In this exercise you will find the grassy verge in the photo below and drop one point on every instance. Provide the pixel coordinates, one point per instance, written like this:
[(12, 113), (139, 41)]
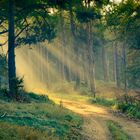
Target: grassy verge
[(103, 102), (117, 132), (131, 109), (40, 119)]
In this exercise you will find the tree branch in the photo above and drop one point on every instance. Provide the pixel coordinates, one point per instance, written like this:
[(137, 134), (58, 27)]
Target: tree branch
[(3, 43), (21, 31), (3, 32)]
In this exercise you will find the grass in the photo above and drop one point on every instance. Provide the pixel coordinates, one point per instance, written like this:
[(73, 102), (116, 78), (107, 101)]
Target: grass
[(130, 109), (117, 132), (65, 91), (15, 132), (39, 119), (103, 101)]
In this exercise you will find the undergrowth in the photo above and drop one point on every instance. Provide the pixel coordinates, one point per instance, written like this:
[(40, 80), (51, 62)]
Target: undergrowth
[(116, 131), (104, 102), (130, 107), (38, 119), (25, 97)]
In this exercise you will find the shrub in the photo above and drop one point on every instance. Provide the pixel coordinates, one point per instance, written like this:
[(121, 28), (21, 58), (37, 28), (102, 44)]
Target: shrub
[(4, 94), (132, 110), (37, 98), (129, 105)]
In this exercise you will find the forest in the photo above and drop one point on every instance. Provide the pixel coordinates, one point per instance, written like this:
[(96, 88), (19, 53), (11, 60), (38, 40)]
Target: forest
[(69, 69)]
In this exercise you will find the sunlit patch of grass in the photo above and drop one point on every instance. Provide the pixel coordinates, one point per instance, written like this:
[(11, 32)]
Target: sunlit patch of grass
[(66, 91), (75, 96), (117, 131), (41, 117)]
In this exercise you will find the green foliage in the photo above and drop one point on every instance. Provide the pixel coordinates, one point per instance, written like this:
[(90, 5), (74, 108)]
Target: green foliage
[(124, 19), (4, 94), (41, 29), (19, 84), (117, 132), (33, 21), (104, 102), (18, 88), (3, 64), (37, 98), (132, 109), (25, 97), (133, 69), (87, 14), (3, 71)]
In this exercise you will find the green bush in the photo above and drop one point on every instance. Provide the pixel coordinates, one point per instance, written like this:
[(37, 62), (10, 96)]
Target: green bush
[(4, 94), (131, 109)]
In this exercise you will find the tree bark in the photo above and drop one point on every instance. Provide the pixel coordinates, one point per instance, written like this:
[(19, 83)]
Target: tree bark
[(11, 51), (77, 72), (76, 49), (124, 68), (91, 59), (63, 45), (116, 60), (105, 65)]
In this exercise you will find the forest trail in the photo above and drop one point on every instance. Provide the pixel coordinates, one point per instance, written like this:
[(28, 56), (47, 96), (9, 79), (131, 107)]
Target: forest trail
[(95, 121)]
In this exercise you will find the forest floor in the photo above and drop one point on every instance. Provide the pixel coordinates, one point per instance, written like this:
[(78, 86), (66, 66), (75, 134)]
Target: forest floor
[(96, 118)]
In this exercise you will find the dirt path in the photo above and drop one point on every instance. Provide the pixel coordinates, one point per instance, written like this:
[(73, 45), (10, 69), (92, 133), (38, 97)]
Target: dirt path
[(95, 118)]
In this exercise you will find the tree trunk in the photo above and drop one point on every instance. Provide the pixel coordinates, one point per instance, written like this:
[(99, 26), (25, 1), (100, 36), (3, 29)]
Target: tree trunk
[(91, 60), (77, 70), (105, 64), (116, 60), (75, 46), (47, 71), (0, 82), (63, 44), (72, 27), (11, 51), (124, 68), (114, 64)]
